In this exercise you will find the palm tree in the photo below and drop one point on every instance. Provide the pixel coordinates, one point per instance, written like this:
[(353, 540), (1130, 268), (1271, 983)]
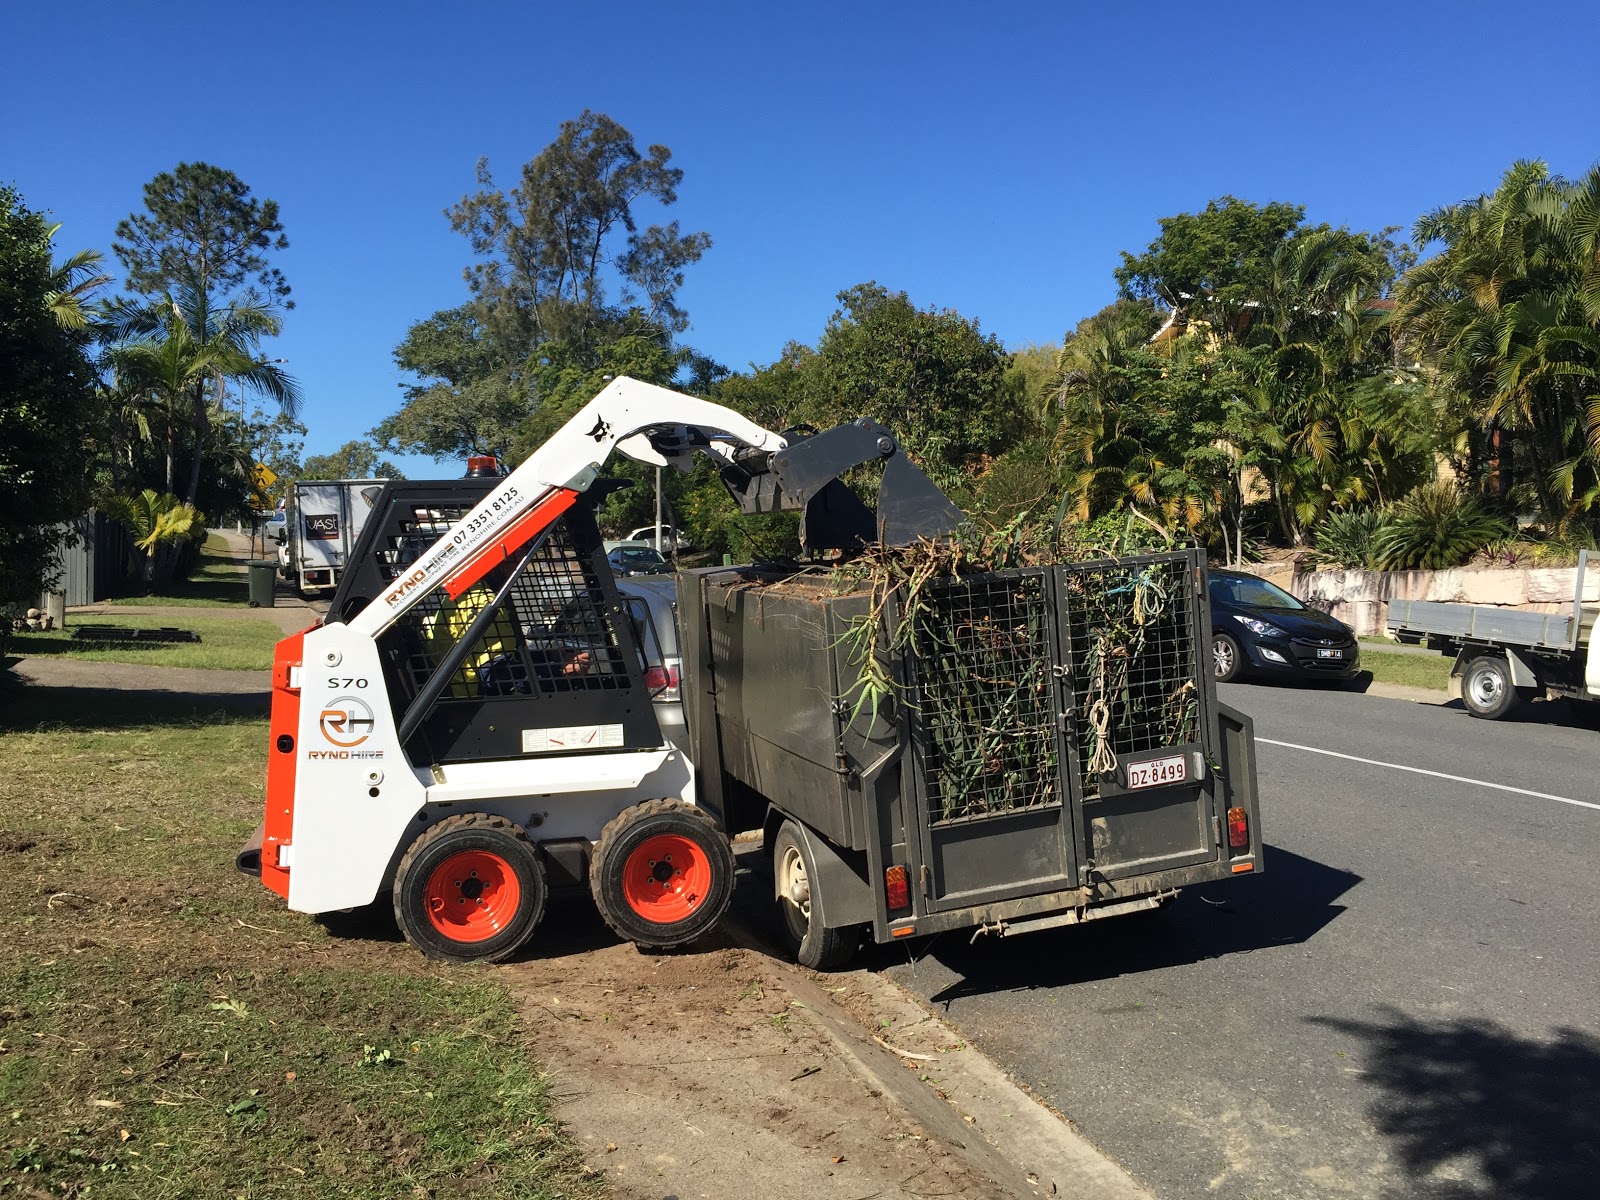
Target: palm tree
[(159, 524), (72, 282), (1508, 313), (185, 356)]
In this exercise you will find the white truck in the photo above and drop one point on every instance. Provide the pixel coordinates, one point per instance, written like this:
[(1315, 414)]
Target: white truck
[(1504, 656), (324, 520)]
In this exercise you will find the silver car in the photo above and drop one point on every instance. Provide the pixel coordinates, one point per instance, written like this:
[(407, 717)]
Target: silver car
[(653, 608)]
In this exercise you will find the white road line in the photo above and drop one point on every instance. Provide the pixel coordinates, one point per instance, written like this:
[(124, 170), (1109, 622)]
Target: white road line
[(1373, 762)]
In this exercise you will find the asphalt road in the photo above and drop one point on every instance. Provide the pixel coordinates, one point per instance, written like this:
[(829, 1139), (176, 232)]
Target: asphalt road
[(1405, 1004)]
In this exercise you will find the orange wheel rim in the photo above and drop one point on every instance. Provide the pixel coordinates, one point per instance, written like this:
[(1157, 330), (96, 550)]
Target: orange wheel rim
[(472, 896), (666, 878)]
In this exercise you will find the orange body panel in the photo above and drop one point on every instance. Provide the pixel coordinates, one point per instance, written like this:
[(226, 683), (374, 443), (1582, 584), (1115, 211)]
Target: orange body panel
[(279, 825)]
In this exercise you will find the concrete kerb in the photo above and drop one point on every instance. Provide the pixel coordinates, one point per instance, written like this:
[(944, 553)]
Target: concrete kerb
[(956, 1092)]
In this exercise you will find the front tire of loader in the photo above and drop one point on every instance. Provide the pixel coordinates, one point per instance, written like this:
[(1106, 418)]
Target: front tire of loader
[(794, 873), (661, 874), (471, 889)]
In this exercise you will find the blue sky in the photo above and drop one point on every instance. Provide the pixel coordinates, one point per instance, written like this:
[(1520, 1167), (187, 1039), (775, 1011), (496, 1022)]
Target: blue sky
[(988, 158)]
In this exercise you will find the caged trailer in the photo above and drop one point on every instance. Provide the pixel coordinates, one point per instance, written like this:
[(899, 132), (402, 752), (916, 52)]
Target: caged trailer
[(475, 721)]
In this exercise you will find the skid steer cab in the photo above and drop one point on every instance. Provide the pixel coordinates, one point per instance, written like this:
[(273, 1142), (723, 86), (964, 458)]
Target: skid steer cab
[(472, 723)]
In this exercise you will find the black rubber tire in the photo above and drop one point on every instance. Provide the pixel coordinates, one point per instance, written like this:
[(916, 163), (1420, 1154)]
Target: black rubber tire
[(820, 947), (469, 831), (1222, 642), (627, 832), (1486, 688)]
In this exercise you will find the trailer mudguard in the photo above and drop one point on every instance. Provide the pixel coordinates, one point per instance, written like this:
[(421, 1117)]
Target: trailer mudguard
[(841, 894), (1522, 675)]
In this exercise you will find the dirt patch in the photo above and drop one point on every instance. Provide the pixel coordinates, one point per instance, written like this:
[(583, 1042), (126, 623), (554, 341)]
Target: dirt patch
[(698, 1074)]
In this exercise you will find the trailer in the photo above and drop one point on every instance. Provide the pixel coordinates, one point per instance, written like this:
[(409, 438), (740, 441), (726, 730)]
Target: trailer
[(479, 720), (323, 522), (1505, 656), (1053, 752)]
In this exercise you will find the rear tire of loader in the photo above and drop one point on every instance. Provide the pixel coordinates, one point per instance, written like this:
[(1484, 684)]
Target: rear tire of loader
[(661, 874), (471, 889), (794, 873)]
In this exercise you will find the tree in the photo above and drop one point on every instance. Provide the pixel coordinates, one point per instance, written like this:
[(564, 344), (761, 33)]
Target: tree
[(47, 408), (1508, 313), (556, 245), (203, 229), (73, 281), (353, 460), (930, 375), (1222, 254), (470, 396), (160, 526), (184, 354)]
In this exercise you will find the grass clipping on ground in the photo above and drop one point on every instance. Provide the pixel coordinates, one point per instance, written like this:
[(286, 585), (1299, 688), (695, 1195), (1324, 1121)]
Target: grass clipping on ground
[(168, 1029)]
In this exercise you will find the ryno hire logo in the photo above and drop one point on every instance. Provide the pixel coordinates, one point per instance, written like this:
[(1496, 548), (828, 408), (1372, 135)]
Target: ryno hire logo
[(346, 721)]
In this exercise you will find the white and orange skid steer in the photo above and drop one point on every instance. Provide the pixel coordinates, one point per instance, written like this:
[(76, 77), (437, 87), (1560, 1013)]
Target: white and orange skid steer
[(471, 724)]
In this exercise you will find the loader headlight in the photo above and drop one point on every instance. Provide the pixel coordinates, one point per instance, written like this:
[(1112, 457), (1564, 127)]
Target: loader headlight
[(1259, 628)]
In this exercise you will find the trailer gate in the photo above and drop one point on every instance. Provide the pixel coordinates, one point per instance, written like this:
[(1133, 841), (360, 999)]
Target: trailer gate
[(1032, 692)]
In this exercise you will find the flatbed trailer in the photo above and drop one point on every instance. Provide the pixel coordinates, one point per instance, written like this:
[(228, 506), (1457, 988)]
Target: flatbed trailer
[(1504, 656)]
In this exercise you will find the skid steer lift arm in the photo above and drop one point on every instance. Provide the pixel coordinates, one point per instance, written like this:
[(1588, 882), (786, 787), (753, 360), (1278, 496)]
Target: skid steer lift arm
[(660, 427)]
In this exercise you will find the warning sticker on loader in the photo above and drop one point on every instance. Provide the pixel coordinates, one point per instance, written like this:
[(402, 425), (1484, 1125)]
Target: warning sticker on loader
[(569, 738)]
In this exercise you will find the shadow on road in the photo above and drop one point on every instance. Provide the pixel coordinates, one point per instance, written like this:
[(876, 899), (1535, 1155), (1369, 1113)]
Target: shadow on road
[(1286, 905), (1476, 1112)]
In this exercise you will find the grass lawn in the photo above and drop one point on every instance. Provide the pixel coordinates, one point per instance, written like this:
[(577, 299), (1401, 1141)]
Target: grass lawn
[(225, 644), (169, 1029), (219, 580), (1408, 670)]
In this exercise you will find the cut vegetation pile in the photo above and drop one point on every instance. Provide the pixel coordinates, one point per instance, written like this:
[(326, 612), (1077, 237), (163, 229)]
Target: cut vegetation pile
[(968, 632), (166, 1029)]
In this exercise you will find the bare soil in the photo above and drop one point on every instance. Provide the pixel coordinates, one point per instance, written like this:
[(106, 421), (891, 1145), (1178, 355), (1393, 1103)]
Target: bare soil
[(698, 1074)]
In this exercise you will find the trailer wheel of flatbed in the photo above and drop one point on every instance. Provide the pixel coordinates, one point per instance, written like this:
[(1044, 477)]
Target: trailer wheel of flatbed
[(471, 889), (1486, 687), (661, 874), (794, 874)]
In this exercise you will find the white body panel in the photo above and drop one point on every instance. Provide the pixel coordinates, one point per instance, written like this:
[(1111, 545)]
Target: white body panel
[(345, 840), (1591, 675)]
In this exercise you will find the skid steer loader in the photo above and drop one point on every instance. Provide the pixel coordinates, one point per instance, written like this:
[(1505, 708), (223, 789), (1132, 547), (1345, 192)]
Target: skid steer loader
[(472, 724)]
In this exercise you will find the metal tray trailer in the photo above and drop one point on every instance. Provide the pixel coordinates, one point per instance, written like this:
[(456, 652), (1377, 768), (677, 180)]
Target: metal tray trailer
[(1050, 754), (1503, 656)]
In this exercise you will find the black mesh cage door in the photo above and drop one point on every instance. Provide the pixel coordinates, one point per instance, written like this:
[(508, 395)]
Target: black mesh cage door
[(556, 669)]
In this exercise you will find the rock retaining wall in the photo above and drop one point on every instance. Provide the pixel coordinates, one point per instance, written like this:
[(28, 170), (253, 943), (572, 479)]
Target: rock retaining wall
[(1361, 598)]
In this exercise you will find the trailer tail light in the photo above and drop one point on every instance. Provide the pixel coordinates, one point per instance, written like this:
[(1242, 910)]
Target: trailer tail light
[(1238, 829), (662, 683), (897, 889)]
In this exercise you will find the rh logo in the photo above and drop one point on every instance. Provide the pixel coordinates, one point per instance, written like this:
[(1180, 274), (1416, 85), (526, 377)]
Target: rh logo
[(346, 721)]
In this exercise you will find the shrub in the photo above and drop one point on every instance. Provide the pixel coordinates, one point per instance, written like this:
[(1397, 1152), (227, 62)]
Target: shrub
[(1344, 539), (1436, 526)]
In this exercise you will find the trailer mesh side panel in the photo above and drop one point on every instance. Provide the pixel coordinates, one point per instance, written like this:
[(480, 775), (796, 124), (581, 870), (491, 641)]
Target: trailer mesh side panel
[(551, 633), (985, 703), (1132, 656)]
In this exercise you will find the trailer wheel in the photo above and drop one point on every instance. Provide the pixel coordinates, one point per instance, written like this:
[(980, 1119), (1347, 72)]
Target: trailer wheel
[(1486, 688), (471, 889), (794, 874), (661, 874), (1226, 659)]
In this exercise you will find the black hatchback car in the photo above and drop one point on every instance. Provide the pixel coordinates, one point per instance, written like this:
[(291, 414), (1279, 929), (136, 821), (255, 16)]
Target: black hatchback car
[(1259, 629)]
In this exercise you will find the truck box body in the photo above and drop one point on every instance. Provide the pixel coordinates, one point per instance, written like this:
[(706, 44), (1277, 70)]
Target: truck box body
[(978, 773), (324, 522)]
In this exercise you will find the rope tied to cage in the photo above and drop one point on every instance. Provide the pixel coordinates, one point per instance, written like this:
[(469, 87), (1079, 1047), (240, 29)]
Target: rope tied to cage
[(1104, 758)]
